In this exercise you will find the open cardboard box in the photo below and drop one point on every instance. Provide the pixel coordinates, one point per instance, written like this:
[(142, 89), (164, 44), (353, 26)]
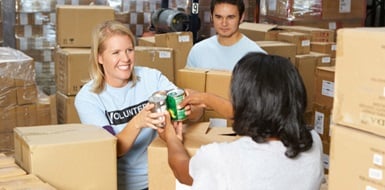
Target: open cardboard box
[(195, 135)]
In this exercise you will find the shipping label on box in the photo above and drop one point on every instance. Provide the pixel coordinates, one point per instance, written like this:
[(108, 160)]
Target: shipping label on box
[(324, 86), (160, 58), (284, 49), (180, 42), (356, 159), (301, 40)]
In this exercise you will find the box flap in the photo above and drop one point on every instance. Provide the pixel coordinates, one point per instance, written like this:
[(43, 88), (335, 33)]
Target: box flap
[(258, 26), (59, 134)]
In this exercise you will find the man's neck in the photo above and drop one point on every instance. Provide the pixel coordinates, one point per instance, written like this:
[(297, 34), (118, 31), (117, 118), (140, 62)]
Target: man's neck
[(229, 40)]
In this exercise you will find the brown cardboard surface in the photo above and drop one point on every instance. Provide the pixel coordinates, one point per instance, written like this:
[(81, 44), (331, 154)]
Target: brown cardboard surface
[(8, 97), (259, 31), (324, 47), (194, 79), (146, 41), (11, 170), (218, 82), (301, 40), (26, 115), (72, 69), (356, 159), (353, 9), (322, 59), (71, 156), (360, 79), (160, 175), (324, 86), (26, 94), (74, 23), (66, 111), (322, 121), (160, 58), (284, 49), (306, 65), (317, 34), (18, 181), (180, 42)]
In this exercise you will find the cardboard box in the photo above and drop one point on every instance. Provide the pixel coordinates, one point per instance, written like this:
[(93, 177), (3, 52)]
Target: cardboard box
[(26, 115), (359, 90), (17, 68), (180, 42), (306, 65), (71, 69), (218, 82), (322, 121), (66, 111), (18, 181), (301, 40), (322, 59), (6, 160), (75, 23), (8, 97), (356, 159), (6, 81), (26, 94), (194, 79), (284, 49), (34, 185), (160, 175), (146, 41), (11, 170), (160, 58), (72, 156), (326, 156), (259, 31), (324, 47), (6, 142), (343, 9), (316, 34), (324, 86)]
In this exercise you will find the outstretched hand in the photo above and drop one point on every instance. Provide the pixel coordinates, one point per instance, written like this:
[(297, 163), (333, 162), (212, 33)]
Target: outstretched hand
[(146, 118), (172, 129), (194, 98)]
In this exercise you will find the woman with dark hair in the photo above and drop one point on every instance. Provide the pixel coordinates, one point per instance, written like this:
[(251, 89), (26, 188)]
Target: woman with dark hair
[(275, 149)]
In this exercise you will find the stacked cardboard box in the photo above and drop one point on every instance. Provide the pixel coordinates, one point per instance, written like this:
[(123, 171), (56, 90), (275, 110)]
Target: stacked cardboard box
[(179, 43), (20, 103), (13, 176), (211, 81), (74, 27), (328, 14), (358, 131)]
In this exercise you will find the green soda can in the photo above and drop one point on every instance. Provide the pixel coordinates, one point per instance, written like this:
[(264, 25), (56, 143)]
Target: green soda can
[(174, 97)]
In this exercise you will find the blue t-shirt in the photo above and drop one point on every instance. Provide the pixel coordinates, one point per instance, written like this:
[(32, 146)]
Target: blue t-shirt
[(210, 54), (116, 107)]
